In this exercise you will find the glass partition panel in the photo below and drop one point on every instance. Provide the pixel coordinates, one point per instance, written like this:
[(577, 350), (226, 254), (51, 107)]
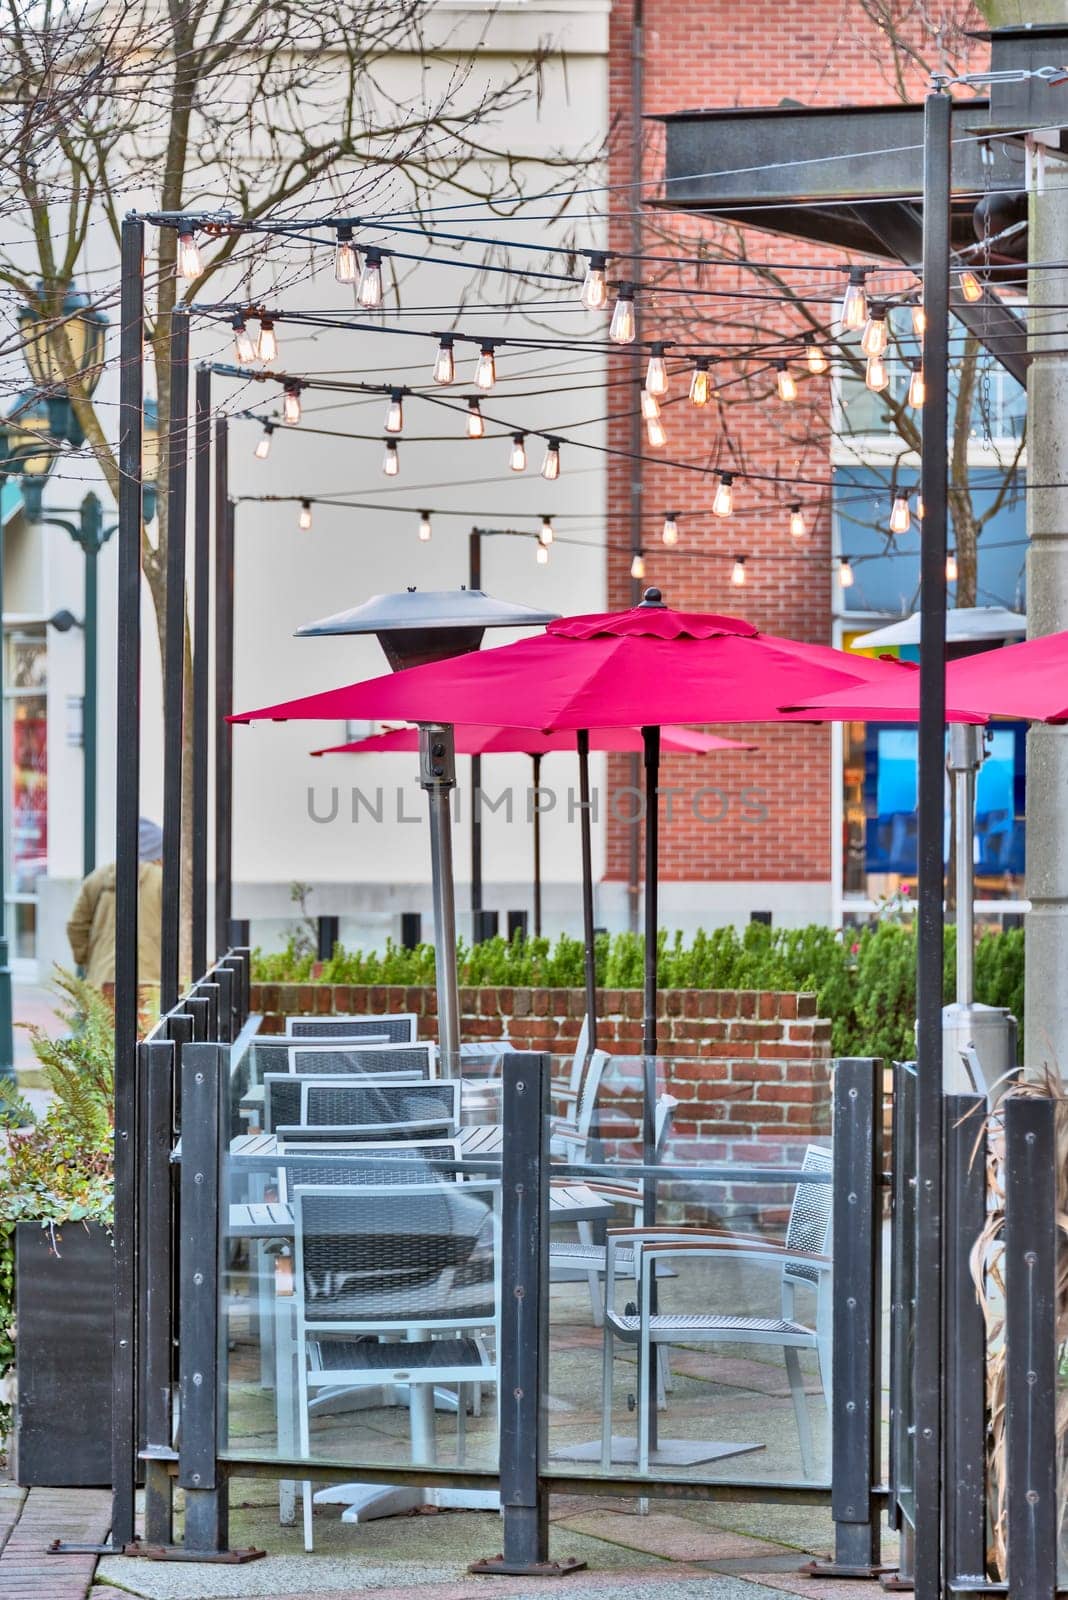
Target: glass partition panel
[(692, 1273), (360, 1290)]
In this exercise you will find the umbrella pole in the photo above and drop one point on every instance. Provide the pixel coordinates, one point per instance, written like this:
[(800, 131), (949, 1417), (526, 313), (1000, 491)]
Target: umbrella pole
[(535, 769), (585, 829), (651, 742), (437, 775), (965, 758)]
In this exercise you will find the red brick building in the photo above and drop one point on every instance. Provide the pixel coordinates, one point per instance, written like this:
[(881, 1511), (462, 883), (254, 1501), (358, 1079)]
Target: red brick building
[(762, 839)]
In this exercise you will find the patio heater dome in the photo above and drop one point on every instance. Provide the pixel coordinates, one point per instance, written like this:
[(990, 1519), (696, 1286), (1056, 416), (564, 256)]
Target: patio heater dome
[(419, 626)]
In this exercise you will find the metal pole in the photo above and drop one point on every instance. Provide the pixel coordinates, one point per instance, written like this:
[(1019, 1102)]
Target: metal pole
[(474, 581), (535, 773), (965, 755), (637, 434), (127, 805), (7, 1029), (585, 830), (927, 1363), (174, 660), (224, 677), (651, 741), (90, 543), (201, 635), (437, 775), (965, 1342)]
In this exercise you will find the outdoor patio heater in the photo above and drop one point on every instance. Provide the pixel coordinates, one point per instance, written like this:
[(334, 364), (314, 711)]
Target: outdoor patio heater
[(414, 628)]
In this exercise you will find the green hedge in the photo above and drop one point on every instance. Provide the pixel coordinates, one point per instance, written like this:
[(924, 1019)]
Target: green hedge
[(865, 978)]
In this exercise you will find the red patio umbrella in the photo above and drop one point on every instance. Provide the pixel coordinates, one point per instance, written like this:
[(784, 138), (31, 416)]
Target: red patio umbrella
[(647, 667)]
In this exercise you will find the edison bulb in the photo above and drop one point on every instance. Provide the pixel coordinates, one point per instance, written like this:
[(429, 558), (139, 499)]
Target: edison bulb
[(970, 287), (542, 555), (486, 374), (845, 574), (394, 422), (267, 344), (391, 460), (263, 443), (546, 533), (188, 263), (369, 291), (444, 363), (476, 423), (650, 405), (951, 567), (623, 327), (656, 379), (798, 529), (900, 516), (738, 578), (876, 376), (291, 406), (550, 467), (346, 258), (700, 386), (595, 285), (637, 566), (854, 312), (919, 319), (517, 461), (304, 521), (816, 360), (723, 500), (670, 532), (424, 527), (654, 432), (786, 383), (874, 339), (244, 347), (917, 387)]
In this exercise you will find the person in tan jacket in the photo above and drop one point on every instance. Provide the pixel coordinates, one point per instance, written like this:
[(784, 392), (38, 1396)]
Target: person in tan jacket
[(91, 929)]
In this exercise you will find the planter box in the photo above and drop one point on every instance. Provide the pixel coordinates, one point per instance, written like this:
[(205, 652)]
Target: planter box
[(64, 1305)]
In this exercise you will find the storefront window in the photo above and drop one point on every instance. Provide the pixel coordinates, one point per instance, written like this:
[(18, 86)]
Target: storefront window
[(26, 697)]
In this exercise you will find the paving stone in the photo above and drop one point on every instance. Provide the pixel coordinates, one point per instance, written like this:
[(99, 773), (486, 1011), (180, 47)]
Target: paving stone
[(675, 1538)]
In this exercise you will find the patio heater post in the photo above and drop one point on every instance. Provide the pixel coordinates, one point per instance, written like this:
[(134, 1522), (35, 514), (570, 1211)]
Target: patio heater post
[(174, 659), (437, 775), (224, 677), (127, 806), (582, 739), (927, 1362), (201, 635)]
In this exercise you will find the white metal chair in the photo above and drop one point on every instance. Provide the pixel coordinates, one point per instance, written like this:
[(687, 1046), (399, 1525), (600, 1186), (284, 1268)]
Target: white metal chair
[(394, 1107), (325, 1059), (420, 1262), (399, 1027), (800, 1259)]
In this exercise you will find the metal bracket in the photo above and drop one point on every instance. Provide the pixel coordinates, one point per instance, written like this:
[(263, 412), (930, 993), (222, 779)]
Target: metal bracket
[(178, 1552), (894, 1583), (498, 1567), (835, 1569)]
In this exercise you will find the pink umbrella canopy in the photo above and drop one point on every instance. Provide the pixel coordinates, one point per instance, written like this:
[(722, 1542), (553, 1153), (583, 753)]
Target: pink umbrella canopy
[(488, 741), (646, 667), (1019, 680)]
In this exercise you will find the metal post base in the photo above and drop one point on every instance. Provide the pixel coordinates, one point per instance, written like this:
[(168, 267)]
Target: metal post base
[(895, 1582), (498, 1567), (178, 1552), (838, 1569)]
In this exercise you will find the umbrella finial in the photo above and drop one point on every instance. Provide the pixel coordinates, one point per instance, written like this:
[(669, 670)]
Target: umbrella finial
[(653, 598)]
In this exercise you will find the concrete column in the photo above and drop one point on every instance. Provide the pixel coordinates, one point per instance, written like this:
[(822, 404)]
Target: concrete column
[(1046, 927)]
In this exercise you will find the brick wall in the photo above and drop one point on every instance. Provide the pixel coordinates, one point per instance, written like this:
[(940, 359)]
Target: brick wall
[(742, 1064), (715, 55)]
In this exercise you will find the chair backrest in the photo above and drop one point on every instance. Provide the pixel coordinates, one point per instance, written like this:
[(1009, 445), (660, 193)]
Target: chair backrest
[(283, 1094), (365, 1110), (811, 1214), (376, 1257), (399, 1027), (271, 1054), (587, 1098), (394, 1162), (345, 1060), (578, 1060)]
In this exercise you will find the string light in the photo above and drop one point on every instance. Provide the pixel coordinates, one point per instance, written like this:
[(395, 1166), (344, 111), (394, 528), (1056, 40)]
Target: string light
[(424, 527), (550, 467), (970, 287), (369, 291), (541, 554), (263, 443), (244, 347), (486, 373), (919, 319), (304, 521), (785, 381), (391, 459), (670, 531), (595, 285), (291, 403), (546, 533), (723, 500), (656, 379), (738, 576), (700, 385), (517, 461), (654, 432), (476, 422), (846, 576), (346, 256), (394, 422), (876, 376), (874, 339), (188, 264), (854, 312), (900, 516), (814, 356), (798, 530), (919, 507), (623, 329), (917, 386), (267, 343), (444, 362), (951, 567), (637, 566), (650, 405)]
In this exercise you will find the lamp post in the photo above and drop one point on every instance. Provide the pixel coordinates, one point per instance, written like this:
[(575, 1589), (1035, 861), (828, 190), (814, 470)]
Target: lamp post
[(56, 311), (90, 534)]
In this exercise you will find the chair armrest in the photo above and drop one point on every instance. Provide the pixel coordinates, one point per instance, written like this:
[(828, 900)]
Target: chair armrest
[(658, 1251)]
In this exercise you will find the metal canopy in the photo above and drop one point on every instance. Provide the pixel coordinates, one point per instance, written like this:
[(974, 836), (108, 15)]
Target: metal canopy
[(418, 626), (781, 168)]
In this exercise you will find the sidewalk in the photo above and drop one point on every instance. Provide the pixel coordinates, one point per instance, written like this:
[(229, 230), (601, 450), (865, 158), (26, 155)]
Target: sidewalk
[(29, 1521)]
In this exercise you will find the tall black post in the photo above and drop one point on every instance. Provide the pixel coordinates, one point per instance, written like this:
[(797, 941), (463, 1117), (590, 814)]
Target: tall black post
[(651, 742), (927, 1363), (201, 637), (224, 677), (127, 774), (174, 659), (585, 828), (474, 581), (535, 777)]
